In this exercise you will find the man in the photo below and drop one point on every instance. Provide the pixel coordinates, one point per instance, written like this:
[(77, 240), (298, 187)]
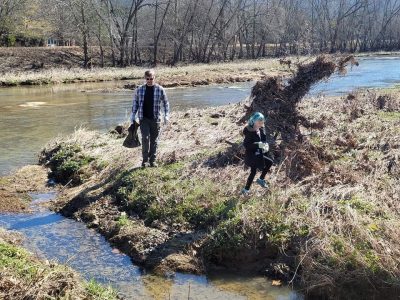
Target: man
[(147, 101)]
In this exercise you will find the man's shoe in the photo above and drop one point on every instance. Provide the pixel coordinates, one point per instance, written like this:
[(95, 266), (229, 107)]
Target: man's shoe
[(153, 164), (245, 192), (262, 183)]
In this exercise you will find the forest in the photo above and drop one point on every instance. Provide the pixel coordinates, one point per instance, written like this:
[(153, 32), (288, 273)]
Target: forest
[(131, 32)]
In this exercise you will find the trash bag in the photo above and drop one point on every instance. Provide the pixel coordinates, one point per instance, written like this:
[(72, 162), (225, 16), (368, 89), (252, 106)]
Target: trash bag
[(132, 139)]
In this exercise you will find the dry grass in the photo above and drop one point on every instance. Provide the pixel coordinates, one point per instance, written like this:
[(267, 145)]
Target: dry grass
[(335, 226), (14, 188), (169, 76)]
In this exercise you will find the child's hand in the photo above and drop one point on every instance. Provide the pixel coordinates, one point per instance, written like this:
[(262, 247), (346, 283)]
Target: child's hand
[(265, 149), (263, 146)]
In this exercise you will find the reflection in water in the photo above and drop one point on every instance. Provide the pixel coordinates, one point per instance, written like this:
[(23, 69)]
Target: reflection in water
[(52, 236)]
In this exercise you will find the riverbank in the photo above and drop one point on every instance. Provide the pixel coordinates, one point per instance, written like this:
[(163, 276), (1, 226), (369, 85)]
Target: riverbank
[(23, 276), (42, 66), (184, 75), (333, 232)]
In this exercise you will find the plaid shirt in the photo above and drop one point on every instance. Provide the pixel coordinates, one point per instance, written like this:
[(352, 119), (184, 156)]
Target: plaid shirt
[(159, 96)]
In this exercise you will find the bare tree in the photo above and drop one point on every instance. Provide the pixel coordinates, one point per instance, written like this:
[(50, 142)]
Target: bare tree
[(159, 28)]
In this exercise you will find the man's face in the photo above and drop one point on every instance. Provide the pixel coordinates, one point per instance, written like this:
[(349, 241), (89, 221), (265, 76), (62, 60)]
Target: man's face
[(150, 80)]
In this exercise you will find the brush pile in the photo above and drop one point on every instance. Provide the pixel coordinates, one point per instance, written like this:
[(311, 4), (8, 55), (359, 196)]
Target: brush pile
[(277, 98)]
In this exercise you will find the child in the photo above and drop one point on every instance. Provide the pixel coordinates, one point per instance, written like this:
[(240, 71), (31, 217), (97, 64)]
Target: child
[(255, 143)]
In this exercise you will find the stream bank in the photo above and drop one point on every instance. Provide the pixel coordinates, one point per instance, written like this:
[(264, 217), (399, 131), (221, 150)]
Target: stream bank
[(24, 276)]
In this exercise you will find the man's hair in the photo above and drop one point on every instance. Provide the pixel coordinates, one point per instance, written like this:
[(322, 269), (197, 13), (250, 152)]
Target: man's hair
[(149, 73)]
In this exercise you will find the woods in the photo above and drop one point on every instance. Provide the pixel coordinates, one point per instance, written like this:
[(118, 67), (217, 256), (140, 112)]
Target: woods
[(132, 32)]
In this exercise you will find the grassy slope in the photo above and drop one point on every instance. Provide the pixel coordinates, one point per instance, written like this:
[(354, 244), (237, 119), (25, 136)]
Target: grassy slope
[(22, 276), (337, 227)]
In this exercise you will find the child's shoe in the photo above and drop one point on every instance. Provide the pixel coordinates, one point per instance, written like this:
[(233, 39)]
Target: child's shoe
[(262, 183), (245, 192)]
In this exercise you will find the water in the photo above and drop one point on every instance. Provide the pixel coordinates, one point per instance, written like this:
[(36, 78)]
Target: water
[(373, 72), (54, 237), (30, 116)]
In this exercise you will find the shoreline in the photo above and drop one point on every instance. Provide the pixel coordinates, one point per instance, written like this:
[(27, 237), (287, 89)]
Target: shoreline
[(181, 75), (185, 75)]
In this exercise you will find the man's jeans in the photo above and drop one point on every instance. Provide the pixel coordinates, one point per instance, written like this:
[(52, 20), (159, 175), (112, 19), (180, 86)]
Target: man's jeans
[(150, 130)]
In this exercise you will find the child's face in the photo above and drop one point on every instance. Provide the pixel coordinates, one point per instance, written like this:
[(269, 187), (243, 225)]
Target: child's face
[(259, 124)]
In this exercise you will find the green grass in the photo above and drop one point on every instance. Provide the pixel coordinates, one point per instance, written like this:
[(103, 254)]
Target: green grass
[(358, 204), (18, 263), (389, 115), (18, 260), (123, 220), (171, 197), (100, 292), (66, 163)]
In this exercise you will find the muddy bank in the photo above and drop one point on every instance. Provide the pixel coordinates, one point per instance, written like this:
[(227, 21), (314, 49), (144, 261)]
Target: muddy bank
[(14, 189), (183, 81)]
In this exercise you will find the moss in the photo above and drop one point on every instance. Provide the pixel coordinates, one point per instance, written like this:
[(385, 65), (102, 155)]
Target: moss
[(304, 230), (373, 227)]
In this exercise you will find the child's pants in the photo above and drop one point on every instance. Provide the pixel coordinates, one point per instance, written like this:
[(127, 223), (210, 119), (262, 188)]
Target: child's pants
[(253, 171)]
